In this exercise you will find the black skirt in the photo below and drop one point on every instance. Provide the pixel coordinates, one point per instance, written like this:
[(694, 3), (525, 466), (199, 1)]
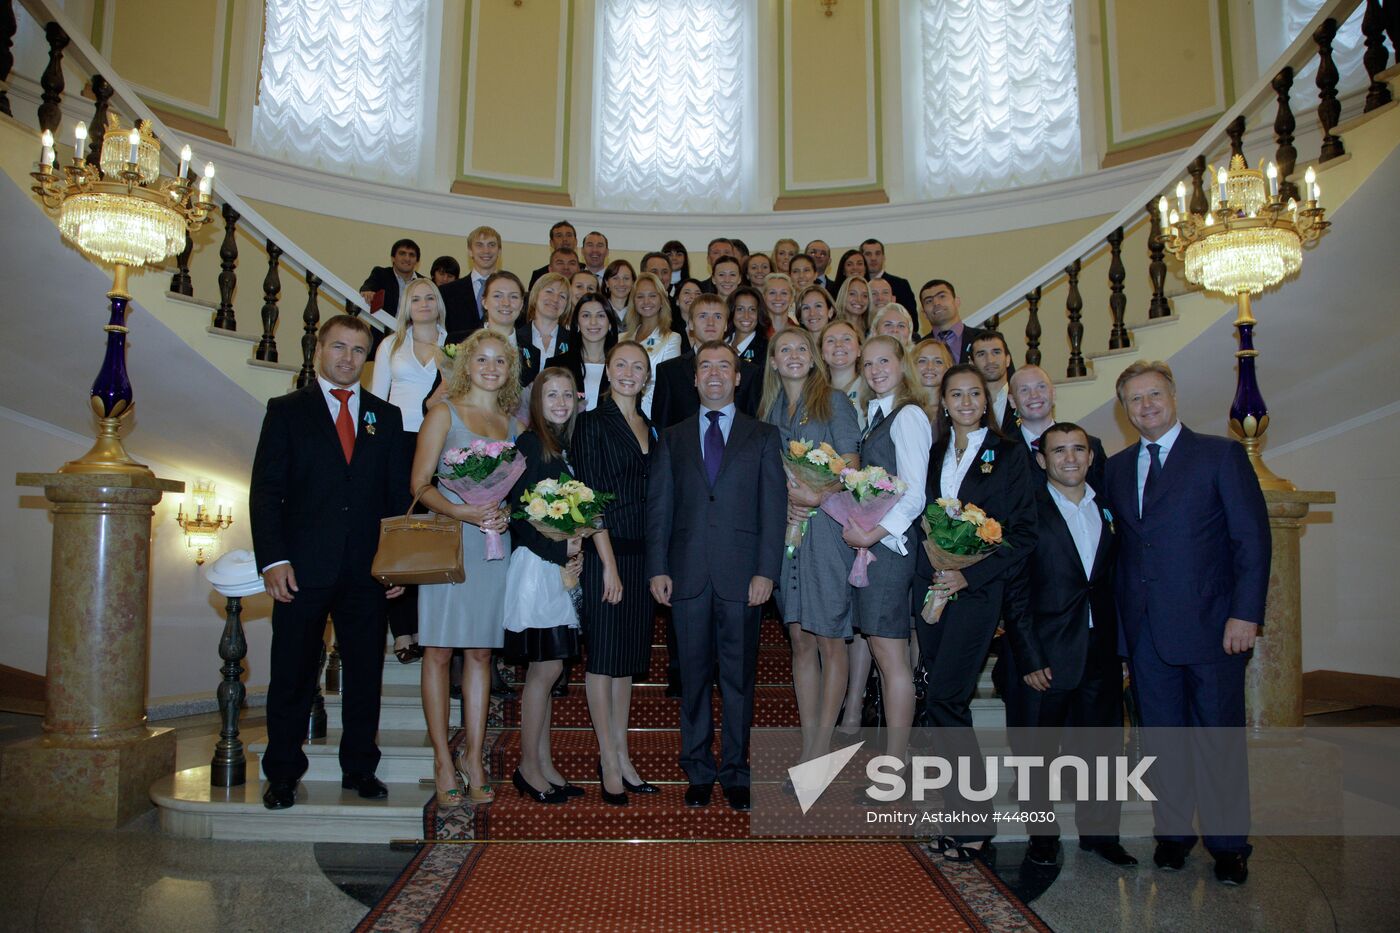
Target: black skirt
[(618, 636), (541, 644)]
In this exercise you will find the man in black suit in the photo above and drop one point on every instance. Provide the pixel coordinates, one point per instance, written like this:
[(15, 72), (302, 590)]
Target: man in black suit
[(1193, 574), (561, 236), (874, 252), (992, 357), (390, 279), (941, 308), (717, 508), (1033, 395), (331, 462), (1063, 664), (461, 300), (821, 258), (595, 255), (675, 397)]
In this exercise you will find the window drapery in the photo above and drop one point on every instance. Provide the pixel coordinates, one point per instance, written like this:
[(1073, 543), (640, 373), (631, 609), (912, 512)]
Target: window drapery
[(342, 86), (1347, 48), (1000, 102), (673, 81)]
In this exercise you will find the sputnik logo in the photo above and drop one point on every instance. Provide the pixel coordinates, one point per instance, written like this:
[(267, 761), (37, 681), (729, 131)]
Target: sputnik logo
[(811, 778)]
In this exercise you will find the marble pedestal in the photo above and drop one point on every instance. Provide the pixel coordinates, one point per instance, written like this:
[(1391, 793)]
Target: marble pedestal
[(97, 758)]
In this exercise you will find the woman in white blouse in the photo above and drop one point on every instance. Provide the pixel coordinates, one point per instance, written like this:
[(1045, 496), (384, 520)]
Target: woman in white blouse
[(406, 366), (541, 335), (648, 322), (618, 281)]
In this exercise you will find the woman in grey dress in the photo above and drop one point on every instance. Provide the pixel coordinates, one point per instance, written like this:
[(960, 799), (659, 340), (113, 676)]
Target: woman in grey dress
[(812, 593), (482, 396)]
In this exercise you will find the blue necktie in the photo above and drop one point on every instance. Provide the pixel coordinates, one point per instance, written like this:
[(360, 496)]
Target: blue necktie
[(714, 447), (1154, 473)]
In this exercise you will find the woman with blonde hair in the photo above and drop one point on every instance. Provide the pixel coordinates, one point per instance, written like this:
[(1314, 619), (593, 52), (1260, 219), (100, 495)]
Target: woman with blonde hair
[(932, 359), (894, 321), (482, 397), (778, 292), (619, 278), (783, 251), (812, 592), (542, 334), (648, 322), (853, 302)]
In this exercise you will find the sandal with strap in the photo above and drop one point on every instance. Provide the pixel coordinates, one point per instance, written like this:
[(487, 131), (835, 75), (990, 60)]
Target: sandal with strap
[(450, 799), (482, 793)]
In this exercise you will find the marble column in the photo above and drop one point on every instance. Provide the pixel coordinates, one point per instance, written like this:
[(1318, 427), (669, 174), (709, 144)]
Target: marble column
[(1274, 678), (97, 758)]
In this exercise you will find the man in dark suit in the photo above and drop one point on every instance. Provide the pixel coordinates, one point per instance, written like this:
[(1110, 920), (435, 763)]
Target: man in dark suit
[(874, 252), (938, 301), (717, 508), (331, 462), (676, 396), (719, 248), (561, 236), (1063, 663), (461, 300), (1192, 579), (1033, 396), (821, 258), (390, 279), (992, 357)]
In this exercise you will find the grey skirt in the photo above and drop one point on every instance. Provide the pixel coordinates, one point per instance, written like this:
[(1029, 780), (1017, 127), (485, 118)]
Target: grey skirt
[(882, 608)]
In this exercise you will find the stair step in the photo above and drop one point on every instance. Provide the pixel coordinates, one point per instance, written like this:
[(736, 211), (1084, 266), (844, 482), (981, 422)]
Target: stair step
[(264, 364), (406, 756), (227, 334), (191, 300)]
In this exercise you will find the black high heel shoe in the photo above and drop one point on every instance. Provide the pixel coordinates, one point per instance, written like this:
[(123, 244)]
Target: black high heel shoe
[(616, 800), (523, 787), (567, 789), (642, 788)]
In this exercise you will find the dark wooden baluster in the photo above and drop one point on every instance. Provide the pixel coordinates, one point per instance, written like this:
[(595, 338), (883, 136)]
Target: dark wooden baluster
[(994, 322), (1329, 109), (1119, 338), (8, 25), (1156, 264), (1284, 125), (1033, 328), (1392, 26), (52, 79), (1236, 133), (311, 319), (1373, 28), (180, 282), (1074, 304), (1199, 203), (97, 129), (272, 287), (228, 276)]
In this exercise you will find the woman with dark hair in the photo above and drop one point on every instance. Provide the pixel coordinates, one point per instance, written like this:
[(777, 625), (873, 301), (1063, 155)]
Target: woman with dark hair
[(591, 336), (803, 271), (680, 265), (852, 264), (611, 449), (541, 625), (618, 279), (757, 268), (815, 309), (746, 324), (971, 462)]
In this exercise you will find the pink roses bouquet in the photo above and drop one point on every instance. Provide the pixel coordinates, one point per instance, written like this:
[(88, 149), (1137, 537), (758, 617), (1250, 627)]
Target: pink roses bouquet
[(865, 496), (482, 474)]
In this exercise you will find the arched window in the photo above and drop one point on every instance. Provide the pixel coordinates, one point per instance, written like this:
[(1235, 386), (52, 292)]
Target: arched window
[(999, 94), (673, 104), (341, 86)]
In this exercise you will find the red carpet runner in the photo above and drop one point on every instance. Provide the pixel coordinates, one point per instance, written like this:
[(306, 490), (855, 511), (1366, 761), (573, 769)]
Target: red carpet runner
[(545, 875)]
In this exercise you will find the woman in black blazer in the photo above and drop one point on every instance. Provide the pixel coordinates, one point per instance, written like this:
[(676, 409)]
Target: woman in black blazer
[(611, 450), (971, 462), (585, 347), (543, 332)]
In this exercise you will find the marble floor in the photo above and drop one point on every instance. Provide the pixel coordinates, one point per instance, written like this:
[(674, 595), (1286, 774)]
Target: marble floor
[(137, 879)]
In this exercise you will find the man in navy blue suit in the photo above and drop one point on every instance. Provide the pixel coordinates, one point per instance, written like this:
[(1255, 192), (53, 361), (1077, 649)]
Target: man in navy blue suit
[(1193, 572)]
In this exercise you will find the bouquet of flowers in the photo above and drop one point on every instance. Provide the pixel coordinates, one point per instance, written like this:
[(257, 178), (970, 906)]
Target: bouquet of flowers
[(482, 474), (818, 468), (958, 537), (561, 509), (864, 498)]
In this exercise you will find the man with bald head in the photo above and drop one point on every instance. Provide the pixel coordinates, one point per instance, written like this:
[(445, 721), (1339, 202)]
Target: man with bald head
[(1032, 394)]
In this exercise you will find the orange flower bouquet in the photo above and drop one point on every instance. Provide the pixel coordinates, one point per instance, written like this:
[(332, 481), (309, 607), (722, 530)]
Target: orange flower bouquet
[(958, 537), (818, 468)]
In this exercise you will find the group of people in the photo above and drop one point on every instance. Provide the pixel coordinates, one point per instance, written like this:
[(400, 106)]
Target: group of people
[(677, 397)]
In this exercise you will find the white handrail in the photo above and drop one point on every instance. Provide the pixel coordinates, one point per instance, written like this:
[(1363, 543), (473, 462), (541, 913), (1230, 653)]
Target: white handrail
[(1295, 55), (43, 11)]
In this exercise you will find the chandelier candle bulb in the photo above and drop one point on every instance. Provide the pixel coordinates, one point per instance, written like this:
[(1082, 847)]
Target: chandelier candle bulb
[(79, 134), (1210, 219), (1175, 218), (206, 187), (1222, 176), (1272, 172), (1162, 212), (1180, 198), (185, 155), (46, 149), (134, 140)]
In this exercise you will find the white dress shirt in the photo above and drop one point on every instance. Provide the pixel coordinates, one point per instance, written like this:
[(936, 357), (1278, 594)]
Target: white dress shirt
[(743, 345), (952, 470), (403, 380), (479, 290), (1145, 457), (660, 350), (726, 422), (999, 404), (537, 340), (1085, 527), (913, 437), (1030, 436), (592, 380)]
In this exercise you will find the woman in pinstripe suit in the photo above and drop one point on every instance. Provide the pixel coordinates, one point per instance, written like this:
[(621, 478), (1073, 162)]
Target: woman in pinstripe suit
[(611, 447)]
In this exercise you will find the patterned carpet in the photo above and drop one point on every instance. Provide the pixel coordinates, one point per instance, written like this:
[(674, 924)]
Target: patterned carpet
[(659, 865)]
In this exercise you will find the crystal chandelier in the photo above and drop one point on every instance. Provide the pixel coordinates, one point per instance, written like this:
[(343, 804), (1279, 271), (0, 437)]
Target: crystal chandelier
[(124, 213), (1247, 241)]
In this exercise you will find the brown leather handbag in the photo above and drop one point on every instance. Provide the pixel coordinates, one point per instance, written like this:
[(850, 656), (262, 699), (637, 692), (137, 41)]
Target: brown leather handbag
[(418, 549)]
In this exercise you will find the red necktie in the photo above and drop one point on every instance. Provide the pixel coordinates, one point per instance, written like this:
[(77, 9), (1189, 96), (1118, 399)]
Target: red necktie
[(344, 424)]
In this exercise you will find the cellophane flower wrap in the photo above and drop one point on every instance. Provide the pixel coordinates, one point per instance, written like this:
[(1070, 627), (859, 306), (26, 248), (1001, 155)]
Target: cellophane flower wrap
[(866, 495), (561, 509), (958, 537), (481, 474), (818, 468)]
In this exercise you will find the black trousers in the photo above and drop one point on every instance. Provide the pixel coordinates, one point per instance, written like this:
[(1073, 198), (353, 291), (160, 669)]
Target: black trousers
[(953, 651), (710, 629), (298, 629), (1093, 712)]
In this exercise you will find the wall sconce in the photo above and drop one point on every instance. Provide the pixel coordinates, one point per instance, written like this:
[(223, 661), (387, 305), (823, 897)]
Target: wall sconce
[(205, 519), (828, 4)]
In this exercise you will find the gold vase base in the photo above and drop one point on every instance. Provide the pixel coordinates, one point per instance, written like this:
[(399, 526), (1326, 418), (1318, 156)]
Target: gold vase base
[(1268, 479), (107, 454)]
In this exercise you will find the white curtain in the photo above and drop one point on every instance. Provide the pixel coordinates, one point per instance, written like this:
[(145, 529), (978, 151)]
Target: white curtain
[(1000, 94), (1347, 48), (673, 82), (342, 86)]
